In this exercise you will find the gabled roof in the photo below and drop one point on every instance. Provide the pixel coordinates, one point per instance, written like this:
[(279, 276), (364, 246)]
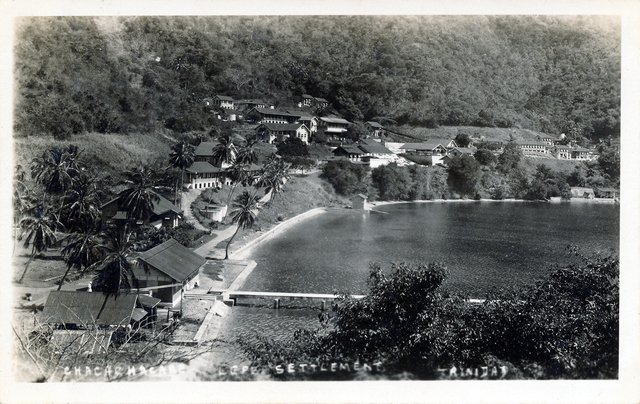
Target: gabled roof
[(530, 143), (373, 147), (465, 150), (173, 259), (251, 101), (422, 146), (202, 167), (286, 127), (205, 149), (375, 125), (223, 98), (269, 111), (88, 308), (329, 119), (350, 149), (160, 206), (307, 96), (580, 149), (320, 99)]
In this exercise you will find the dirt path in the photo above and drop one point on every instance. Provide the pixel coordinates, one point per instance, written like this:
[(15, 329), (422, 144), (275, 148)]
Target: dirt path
[(187, 199)]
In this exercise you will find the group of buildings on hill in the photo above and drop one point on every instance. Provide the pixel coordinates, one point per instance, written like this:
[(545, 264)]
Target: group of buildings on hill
[(277, 124)]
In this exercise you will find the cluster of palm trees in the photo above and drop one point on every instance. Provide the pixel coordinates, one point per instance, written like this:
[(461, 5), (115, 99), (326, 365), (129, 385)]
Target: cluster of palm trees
[(63, 206), (64, 199)]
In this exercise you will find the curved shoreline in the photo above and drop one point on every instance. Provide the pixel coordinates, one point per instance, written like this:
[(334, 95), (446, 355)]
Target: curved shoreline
[(245, 250)]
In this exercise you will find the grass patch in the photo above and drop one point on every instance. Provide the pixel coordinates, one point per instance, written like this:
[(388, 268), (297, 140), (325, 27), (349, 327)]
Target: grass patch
[(450, 132)]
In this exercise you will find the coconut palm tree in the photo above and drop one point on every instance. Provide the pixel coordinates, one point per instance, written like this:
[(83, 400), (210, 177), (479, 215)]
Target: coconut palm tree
[(83, 251), (40, 233), (139, 198), (81, 204), (247, 154), (244, 214), (56, 168), (182, 156), (225, 151), (115, 271), (240, 175)]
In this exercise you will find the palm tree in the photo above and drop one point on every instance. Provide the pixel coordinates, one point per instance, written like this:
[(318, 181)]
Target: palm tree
[(248, 154), (182, 156), (81, 203), (40, 229), (56, 168), (82, 252), (245, 215), (240, 175), (139, 198), (272, 176), (225, 151), (115, 272)]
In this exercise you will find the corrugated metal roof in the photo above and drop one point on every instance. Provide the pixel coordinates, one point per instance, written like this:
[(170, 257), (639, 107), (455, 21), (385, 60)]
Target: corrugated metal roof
[(88, 308), (421, 146), (203, 167), (335, 120), (163, 205), (173, 259), (287, 127)]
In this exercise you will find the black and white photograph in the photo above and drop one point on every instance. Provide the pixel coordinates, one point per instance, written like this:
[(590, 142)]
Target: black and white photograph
[(362, 199)]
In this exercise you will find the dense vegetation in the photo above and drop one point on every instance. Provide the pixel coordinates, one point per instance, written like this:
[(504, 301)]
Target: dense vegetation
[(137, 74), (565, 326)]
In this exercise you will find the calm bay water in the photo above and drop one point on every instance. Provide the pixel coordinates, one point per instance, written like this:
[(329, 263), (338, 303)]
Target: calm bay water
[(483, 244)]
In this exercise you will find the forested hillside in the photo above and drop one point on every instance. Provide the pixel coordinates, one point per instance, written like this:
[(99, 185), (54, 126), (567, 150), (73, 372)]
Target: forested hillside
[(139, 74)]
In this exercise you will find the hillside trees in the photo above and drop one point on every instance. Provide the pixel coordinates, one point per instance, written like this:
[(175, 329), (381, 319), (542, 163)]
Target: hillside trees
[(121, 75)]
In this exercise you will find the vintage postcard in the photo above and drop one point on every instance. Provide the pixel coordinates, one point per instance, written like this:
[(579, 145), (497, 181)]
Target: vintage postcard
[(343, 204)]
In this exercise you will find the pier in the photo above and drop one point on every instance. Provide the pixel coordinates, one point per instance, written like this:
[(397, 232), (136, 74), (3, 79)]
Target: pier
[(231, 297)]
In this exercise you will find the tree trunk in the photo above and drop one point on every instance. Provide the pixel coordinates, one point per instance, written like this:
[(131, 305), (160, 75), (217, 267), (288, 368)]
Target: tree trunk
[(64, 277), (26, 268), (226, 250), (233, 188), (181, 186)]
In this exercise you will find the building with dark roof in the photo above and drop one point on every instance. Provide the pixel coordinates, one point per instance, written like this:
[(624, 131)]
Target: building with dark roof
[(167, 270), (278, 132), (202, 174), (164, 214), (79, 309), (271, 115), (375, 129), (223, 101)]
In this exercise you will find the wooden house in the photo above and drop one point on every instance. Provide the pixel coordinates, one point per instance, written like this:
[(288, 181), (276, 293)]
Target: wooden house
[(223, 102), (271, 115), (277, 132), (167, 271), (164, 212)]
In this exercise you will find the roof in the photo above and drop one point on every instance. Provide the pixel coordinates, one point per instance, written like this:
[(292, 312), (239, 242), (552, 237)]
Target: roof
[(320, 99), (350, 149), (362, 196), (223, 98), (160, 206), (580, 149), (148, 301), (329, 119), (287, 127), (563, 146), (581, 189), (530, 142), (75, 307), (467, 150), (374, 124), (422, 146), (205, 149), (199, 167), (163, 205), (251, 101), (373, 147), (269, 111), (307, 96), (173, 259)]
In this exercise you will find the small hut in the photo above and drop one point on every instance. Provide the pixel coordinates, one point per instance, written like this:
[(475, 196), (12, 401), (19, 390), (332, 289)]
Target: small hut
[(359, 202)]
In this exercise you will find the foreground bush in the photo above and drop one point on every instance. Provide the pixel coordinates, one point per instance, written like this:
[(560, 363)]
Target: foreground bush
[(565, 326)]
